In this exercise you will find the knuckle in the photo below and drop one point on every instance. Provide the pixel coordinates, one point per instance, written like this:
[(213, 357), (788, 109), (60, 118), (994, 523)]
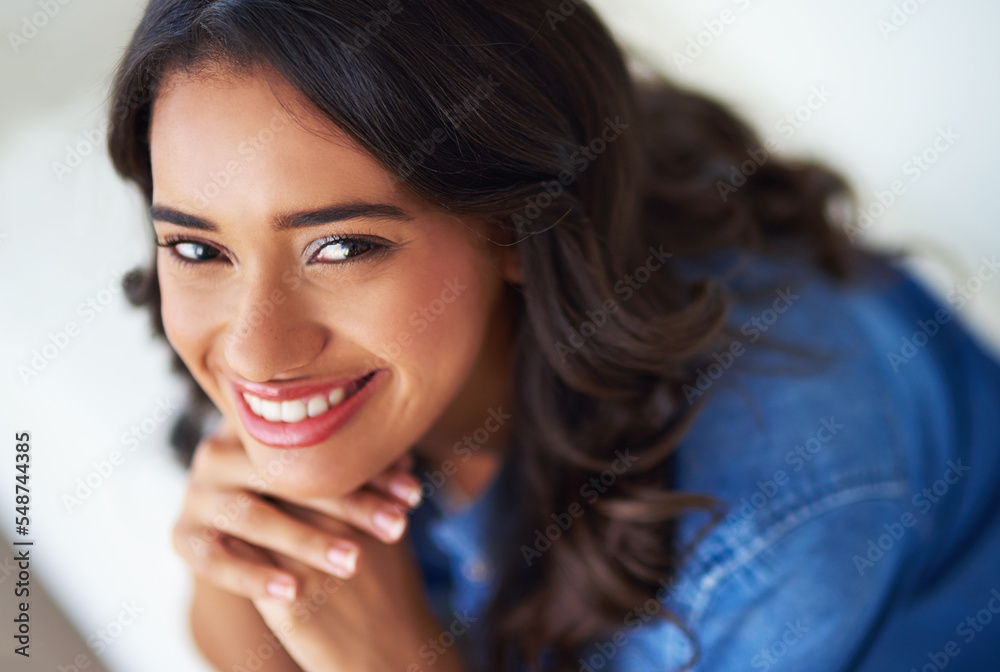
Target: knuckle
[(206, 560), (305, 545), (253, 514), (250, 584)]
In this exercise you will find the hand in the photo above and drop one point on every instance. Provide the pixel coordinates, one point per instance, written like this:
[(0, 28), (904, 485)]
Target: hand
[(248, 540), (376, 621), (228, 500)]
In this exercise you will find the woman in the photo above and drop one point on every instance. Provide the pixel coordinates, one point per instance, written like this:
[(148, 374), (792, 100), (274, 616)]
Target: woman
[(662, 414)]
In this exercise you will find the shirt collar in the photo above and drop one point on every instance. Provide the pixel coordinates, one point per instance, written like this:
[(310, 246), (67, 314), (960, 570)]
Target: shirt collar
[(463, 531)]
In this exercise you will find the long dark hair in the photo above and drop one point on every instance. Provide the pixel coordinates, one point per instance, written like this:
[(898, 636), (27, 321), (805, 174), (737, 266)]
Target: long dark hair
[(524, 113)]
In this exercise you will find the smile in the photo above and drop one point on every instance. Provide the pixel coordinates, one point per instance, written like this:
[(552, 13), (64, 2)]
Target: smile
[(297, 410), (301, 415)]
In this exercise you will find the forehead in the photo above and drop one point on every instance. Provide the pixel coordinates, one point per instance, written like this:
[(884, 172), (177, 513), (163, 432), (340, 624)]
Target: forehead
[(252, 133)]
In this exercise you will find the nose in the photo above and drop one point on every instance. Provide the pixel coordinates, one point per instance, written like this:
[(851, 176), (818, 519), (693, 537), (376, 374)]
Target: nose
[(272, 336)]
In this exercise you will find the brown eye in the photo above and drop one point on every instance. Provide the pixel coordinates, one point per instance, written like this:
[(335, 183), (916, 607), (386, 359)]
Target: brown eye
[(188, 251), (343, 249), (193, 251)]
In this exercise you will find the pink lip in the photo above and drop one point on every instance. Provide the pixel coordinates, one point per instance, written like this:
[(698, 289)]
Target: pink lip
[(310, 431), (288, 392)]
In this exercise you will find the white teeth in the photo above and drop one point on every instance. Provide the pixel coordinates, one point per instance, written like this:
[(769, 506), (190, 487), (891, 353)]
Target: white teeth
[(317, 406), (253, 401), (271, 410), (294, 410)]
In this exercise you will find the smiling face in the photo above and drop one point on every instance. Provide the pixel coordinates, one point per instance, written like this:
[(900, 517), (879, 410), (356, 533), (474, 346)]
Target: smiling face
[(291, 264)]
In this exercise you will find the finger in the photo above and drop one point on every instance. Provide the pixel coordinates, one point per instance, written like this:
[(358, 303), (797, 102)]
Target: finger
[(264, 524), (210, 558), (365, 509), (400, 485), (405, 462)]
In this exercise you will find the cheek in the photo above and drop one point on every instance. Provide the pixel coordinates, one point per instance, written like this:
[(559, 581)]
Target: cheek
[(189, 319), (431, 325)]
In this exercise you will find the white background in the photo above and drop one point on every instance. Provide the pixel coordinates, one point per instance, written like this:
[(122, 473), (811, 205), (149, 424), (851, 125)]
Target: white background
[(63, 242)]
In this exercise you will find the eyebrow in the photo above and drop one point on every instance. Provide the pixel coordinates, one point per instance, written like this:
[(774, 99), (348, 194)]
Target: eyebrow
[(325, 215)]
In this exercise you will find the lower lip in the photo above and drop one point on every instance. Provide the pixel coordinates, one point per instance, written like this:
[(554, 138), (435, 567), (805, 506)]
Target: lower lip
[(310, 431)]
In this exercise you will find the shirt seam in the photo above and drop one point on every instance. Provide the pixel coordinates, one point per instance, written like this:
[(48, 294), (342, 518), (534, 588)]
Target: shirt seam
[(745, 551)]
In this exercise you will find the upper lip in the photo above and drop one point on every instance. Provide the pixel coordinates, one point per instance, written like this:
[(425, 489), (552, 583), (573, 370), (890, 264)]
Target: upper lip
[(292, 390)]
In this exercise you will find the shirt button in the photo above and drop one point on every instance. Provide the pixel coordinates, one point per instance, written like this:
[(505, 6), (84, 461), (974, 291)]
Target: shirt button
[(476, 570)]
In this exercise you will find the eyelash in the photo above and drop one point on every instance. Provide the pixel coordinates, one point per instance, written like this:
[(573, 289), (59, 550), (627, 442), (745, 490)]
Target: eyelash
[(376, 249)]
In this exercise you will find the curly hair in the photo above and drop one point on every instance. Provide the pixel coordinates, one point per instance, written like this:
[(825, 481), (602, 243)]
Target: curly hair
[(538, 127)]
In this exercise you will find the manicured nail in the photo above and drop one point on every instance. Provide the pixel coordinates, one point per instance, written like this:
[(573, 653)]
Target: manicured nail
[(405, 491), (344, 560), (282, 590), (390, 523)]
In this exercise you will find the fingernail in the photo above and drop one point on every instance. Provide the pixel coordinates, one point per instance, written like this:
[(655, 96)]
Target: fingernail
[(282, 590), (390, 523), (405, 491), (343, 559)]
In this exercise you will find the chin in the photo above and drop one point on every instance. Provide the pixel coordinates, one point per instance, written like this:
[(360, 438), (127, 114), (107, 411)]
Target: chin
[(323, 470)]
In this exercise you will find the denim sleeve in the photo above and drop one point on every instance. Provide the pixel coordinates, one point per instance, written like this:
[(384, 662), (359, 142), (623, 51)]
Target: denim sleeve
[(816, 474), (807, 594)]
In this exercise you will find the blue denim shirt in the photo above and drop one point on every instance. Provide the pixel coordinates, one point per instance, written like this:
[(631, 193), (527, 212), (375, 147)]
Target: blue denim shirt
[(863, 522)]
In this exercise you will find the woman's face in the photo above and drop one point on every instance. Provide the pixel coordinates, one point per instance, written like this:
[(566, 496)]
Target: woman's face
[(295, 264)]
